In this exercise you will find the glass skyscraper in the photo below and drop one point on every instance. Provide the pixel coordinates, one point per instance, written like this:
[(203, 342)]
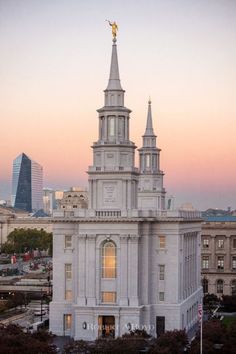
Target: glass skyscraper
[(27, 184)]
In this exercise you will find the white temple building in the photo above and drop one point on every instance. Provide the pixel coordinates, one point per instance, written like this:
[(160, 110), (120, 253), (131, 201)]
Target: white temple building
[(125, 262)]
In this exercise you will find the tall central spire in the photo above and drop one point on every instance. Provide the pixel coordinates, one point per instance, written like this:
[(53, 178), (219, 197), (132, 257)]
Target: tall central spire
[(114, 78), (114, 94)]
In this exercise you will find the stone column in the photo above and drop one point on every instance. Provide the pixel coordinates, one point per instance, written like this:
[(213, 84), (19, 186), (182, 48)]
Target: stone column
[(124, 270), (81, 300), (133, 270), (90, 269)]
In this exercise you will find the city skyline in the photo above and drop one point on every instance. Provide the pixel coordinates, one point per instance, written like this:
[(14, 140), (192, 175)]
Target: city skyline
[(52, 69)]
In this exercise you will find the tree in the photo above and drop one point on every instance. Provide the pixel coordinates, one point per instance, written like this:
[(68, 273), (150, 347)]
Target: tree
[(229, 303), (22, 240), (172, 342), (215, 335), (13, 340)]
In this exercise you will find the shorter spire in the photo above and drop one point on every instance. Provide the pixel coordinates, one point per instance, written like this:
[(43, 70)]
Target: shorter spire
[(149, 128)]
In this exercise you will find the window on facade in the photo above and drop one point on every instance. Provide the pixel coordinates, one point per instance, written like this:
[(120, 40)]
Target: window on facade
[(234, 262), (148, 161), (111, 126), (205, 243), (205, 262), (68, 295), (234, 242), (220, 243), (68, 241), (233, 287), (220, 263), (109, 260), (67, 322), (161, 272), (219, 286), (109, 296), (205, 285), (162, 241), (68, 271), (161, 296)]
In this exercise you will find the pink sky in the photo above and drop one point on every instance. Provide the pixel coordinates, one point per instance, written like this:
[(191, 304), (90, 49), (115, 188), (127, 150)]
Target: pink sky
[(54, 66)]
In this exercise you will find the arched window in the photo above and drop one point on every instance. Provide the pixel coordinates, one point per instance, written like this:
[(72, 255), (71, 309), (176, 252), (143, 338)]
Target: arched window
[(219, 286), (205, 285), (109, 260), (233, 287)]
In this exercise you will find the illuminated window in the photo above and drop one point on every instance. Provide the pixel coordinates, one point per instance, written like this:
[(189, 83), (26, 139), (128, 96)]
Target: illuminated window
[(68, 271), (161, 296), (205, 243), (67, 322), (68, 241), (68, 295), (161, 272), (109, 296), (205, 262), (109, 260), (221, 243), (162, 241), (219, 286), (220, 263)]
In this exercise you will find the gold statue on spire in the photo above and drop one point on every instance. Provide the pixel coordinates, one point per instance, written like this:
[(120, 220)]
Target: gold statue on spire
[(114, 28)]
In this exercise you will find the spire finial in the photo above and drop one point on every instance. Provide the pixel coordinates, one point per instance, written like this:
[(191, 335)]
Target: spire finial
[(149, 101)]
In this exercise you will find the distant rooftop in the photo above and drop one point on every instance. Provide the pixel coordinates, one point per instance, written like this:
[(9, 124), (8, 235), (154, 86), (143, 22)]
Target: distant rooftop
[(220, 218)]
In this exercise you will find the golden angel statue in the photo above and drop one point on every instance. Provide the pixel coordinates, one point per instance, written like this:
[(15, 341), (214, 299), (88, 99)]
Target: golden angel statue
[(114, 28)]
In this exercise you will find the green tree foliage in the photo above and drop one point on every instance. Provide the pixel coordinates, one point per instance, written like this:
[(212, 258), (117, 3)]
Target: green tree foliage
[(13, 340), (229, 303), (171, 342), (22, 240), (217, 338)]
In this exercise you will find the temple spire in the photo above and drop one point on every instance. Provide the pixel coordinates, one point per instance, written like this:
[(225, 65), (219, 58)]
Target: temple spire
[(149, 127), (114, 78)]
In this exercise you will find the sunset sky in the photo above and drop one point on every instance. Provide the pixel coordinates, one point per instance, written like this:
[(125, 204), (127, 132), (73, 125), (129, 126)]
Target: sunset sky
[(54, 66)]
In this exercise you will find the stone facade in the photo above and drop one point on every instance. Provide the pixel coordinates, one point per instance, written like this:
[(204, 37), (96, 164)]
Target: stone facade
[(125, 262), (219, 255)]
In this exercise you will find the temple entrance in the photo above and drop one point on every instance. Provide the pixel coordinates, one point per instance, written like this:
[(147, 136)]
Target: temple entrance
[(106, 326)]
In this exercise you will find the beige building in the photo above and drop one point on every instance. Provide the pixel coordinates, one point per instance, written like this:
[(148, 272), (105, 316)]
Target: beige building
[(75, 198), (11, 219), (219, 255)]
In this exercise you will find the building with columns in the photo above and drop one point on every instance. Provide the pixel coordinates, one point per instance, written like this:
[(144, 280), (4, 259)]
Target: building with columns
[(125, 262)]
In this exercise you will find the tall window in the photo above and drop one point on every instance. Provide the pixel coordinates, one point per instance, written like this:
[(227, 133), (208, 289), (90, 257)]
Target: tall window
[(220, 263), (161, 296), (234, 242), (233, 287), (68, 241), (162, 241), (68, 271), (68, 295), (67, 322), (161, 272), (205, 285), (205, 262), (205, 243), (234, 262), (220, 243), (109, 260), (219, 286), (148, 161), (111, 126)]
